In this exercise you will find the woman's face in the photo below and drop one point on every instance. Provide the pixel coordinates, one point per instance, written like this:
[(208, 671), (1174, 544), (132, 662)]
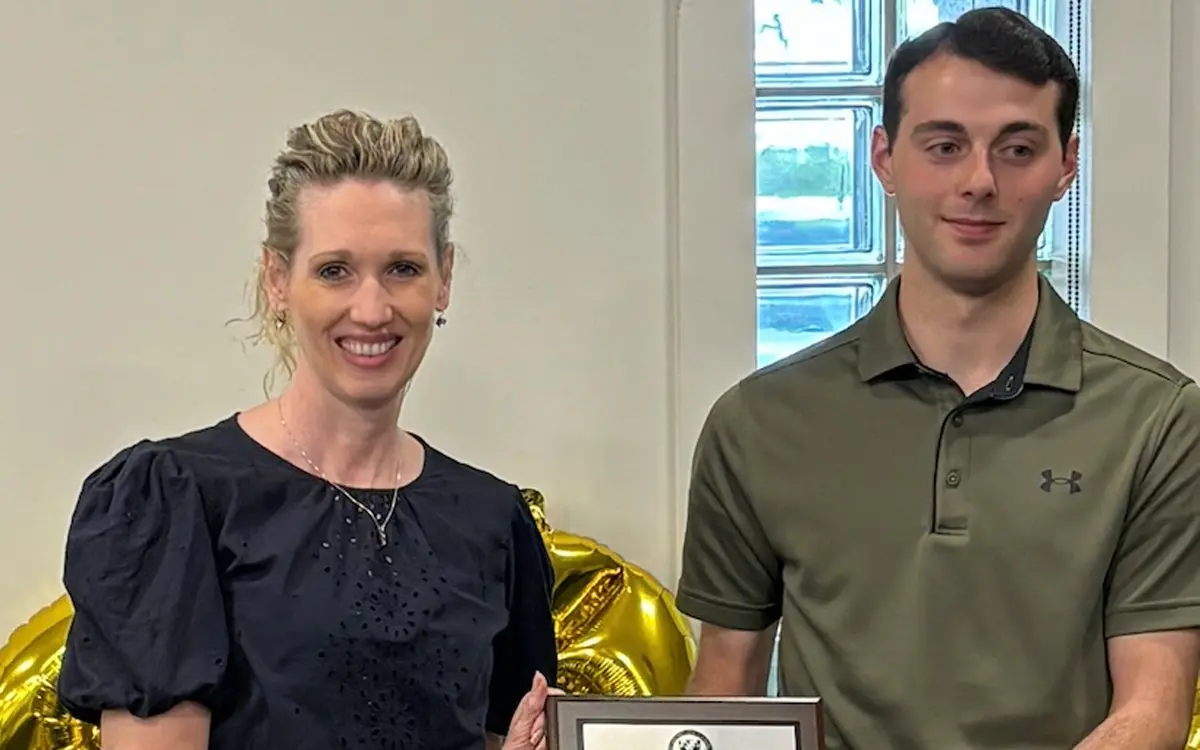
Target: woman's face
[(363, 289)]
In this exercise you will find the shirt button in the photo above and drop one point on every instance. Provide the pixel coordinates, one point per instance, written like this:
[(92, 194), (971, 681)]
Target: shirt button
[(957, 420), (953, 478)]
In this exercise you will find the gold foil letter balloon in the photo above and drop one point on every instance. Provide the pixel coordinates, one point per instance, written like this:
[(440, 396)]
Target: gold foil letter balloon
[(30, 718), (1193, 740), (617, 628)]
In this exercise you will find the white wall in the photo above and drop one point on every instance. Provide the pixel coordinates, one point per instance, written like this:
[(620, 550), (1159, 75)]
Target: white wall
[(604, 153)]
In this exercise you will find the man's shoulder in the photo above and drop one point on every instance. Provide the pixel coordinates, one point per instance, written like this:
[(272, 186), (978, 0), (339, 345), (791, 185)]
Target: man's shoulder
[(1104, 352), (834, 355), (810, 370)]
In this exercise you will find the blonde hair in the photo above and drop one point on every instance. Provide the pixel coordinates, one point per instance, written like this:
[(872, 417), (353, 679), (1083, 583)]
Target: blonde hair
[(342, 145)]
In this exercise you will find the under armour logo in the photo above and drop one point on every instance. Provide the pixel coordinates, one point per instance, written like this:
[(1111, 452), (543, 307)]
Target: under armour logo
[(1071, 482)]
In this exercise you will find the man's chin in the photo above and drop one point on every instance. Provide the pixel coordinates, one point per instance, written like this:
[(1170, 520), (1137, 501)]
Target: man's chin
[(979, 280)]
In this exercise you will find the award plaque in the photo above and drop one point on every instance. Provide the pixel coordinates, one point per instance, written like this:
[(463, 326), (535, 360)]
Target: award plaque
[(583, 722)]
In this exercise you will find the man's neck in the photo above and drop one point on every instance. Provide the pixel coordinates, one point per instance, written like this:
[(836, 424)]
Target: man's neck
[(971, 339), (351, 446)]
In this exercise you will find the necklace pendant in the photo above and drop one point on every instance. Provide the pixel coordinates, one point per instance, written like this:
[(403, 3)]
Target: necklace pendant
[(383, 539)]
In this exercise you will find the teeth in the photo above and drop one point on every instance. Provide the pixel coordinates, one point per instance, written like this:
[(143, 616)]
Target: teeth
[(363, 349)]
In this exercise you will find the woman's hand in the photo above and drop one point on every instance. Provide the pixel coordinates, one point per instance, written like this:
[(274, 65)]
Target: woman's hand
[(527, 730)]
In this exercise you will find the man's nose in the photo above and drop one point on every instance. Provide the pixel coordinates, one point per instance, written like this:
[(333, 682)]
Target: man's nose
[(978, 180)]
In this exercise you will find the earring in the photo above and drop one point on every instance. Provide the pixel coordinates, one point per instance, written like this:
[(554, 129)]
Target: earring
[(440, 320), (280, 320)]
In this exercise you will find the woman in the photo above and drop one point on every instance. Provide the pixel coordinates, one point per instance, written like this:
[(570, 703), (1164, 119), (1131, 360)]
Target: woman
[(305, 574)]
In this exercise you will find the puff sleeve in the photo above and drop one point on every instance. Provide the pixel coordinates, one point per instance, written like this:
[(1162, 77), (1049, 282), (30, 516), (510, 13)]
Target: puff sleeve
[(527, 644), (149, 629)]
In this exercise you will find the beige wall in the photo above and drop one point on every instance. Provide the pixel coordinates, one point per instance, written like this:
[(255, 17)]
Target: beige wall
[(604, 153), (1184, 224)]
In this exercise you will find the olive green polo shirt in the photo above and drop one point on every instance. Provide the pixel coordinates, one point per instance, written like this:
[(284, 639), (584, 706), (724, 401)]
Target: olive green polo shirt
[(947, 569)]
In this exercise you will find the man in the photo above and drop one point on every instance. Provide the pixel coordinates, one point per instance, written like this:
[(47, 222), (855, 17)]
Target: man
[(975, 518)]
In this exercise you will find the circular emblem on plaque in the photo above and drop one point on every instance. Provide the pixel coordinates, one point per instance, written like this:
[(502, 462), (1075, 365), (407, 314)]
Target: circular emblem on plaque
[(689, 739)]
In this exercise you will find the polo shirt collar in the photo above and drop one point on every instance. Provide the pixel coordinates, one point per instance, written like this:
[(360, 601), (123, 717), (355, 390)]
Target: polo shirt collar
[(1050, 356)]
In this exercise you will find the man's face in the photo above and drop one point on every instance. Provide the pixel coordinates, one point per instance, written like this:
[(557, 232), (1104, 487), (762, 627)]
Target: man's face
[(975, 167)]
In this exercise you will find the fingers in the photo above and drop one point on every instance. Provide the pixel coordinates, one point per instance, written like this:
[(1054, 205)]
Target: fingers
[(529, 718), (532, 702), (537, 736), (526, 707), (523, 716)]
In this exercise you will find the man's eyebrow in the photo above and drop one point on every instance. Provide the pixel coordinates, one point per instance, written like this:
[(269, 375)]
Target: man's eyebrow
[(949, 126), (939, 126), (1023, 126)]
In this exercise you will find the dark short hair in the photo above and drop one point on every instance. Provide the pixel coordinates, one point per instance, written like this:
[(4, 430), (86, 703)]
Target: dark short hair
[(998, 38)]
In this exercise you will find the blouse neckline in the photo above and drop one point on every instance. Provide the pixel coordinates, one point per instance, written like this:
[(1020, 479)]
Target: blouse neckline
[(264, 453)]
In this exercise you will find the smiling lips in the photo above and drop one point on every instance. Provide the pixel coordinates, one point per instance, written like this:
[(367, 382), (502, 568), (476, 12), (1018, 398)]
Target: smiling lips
[(367, 351), (974, 228)]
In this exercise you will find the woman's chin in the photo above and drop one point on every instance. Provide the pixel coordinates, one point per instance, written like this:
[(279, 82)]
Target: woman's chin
[(372, 391)]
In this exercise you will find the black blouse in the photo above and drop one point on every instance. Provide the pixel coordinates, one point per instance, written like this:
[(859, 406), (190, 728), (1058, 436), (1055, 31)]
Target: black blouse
[(207, 568)]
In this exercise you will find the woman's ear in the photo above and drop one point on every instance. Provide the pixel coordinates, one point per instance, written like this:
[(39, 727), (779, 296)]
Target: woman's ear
[(447, 274), (274, 272)]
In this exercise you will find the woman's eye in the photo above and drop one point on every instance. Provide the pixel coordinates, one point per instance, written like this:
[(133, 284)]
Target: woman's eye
[(331, 272), (405, 269)]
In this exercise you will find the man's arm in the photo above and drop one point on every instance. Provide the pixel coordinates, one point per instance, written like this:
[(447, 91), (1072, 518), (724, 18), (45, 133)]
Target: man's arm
[(732, 662), (1152, 605), (1154, 685)]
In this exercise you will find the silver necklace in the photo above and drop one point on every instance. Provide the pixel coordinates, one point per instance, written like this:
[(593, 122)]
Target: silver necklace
[(379, 520)]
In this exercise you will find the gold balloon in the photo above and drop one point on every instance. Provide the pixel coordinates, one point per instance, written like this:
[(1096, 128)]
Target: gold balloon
[(1193, 740), (617, 629), (30, 717)]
